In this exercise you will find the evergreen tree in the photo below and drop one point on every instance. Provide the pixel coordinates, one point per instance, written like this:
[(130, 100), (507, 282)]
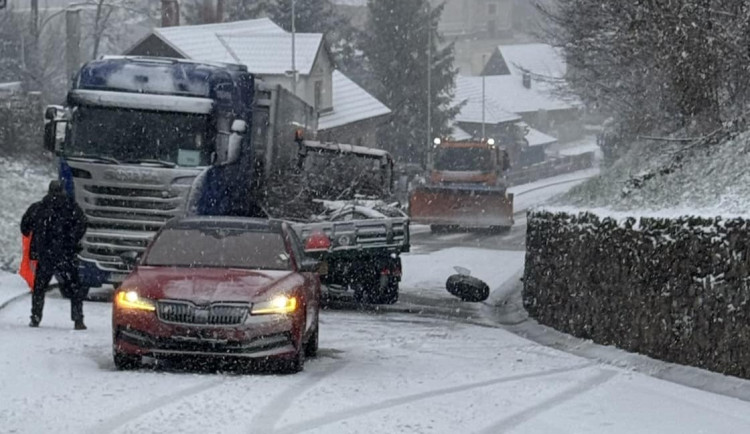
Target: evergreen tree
[(395, 44)]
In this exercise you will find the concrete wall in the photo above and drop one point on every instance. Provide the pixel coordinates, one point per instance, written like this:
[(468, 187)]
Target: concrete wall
[(673, 289)]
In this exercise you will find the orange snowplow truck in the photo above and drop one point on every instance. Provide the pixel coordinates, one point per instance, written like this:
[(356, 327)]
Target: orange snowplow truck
[(465, 188)]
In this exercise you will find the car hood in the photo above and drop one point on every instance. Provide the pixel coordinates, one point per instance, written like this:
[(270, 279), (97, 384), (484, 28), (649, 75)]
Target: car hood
[(206, 285)]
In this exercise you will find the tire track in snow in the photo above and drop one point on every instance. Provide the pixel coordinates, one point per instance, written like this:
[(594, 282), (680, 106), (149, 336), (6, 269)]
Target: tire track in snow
[(338, 416), (139, 411), (509, 423), (266, 419)]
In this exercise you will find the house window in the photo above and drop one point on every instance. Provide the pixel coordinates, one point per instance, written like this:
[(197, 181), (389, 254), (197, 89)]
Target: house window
[(491, 28), (318, 94), (492, 9)]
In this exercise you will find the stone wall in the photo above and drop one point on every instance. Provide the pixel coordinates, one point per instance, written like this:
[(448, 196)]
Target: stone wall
[(673, 289)]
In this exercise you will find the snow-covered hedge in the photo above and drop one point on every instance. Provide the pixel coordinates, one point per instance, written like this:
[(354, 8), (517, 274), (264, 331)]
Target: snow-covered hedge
[(672, 288)]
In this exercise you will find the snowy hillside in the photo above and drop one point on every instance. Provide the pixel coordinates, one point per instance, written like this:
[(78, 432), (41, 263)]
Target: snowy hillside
[(713, 181), (20, 186)]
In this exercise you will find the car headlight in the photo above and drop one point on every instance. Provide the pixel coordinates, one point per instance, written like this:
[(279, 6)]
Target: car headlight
[(280, 304), (131, 300)]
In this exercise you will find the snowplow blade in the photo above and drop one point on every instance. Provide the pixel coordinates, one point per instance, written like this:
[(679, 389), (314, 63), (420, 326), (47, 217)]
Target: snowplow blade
[(468, 207)]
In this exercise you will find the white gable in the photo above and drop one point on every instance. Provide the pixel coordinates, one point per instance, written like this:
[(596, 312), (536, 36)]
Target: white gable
[(541, 60)]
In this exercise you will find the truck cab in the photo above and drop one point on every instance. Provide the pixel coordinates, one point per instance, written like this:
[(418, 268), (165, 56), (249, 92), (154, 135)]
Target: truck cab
[(137, 133)]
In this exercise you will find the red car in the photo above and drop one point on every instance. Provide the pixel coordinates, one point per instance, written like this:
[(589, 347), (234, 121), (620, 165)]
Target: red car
[(227, 287)]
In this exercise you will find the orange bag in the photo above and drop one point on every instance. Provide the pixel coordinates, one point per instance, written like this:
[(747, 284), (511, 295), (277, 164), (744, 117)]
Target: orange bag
[(28, 267)]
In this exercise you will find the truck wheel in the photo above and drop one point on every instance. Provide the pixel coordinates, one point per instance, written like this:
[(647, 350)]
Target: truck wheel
[(389, 294)]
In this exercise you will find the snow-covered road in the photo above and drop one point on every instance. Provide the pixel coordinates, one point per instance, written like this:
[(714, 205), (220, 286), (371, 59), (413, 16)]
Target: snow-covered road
[(376, 373)]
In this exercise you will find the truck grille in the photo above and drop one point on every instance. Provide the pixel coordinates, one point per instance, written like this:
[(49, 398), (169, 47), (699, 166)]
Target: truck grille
[(122, 219), (215, 314)]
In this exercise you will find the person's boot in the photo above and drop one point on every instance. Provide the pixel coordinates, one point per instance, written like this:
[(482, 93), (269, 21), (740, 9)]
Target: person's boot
[(79, 325), (34, 321)]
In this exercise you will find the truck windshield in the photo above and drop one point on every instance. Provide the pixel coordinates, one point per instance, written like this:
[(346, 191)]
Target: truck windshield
[(138, 135), (464, 159)]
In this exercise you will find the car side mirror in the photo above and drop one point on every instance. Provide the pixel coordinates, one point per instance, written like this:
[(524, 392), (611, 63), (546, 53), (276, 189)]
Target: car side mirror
[(130, 259)]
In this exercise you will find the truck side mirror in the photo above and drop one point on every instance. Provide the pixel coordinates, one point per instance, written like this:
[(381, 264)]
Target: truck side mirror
[(50, 135), (50, 113), (239, 126), (234, 148), (50, 128)]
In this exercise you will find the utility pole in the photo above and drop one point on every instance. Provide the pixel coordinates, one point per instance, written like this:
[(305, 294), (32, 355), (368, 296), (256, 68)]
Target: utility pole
[(429, 86), (294, 66), (484, 136)]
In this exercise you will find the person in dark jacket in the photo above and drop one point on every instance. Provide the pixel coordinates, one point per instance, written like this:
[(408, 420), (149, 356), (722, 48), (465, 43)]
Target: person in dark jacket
[(56, 225)]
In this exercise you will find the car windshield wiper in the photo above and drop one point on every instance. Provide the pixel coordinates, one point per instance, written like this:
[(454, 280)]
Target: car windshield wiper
[(163, 163), (97, 158)]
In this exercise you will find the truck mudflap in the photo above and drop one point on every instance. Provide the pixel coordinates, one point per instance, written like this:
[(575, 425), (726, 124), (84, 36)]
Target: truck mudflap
[(464, 206)]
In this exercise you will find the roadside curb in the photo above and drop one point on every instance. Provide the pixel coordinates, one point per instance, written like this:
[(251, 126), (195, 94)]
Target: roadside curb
[(8, 299)]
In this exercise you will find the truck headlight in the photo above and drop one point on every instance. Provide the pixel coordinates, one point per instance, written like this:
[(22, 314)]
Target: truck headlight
[(131, 300), (281, 304)]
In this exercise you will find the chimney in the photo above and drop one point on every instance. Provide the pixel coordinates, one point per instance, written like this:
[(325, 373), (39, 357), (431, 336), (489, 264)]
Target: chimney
[(170, 13), (527, 80)]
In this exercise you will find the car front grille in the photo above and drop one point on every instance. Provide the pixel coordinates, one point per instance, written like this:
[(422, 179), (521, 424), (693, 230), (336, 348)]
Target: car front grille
[(181, 312)]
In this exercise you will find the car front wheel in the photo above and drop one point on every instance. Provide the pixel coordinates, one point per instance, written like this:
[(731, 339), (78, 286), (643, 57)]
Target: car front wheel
[(311, 347), (126, 362)]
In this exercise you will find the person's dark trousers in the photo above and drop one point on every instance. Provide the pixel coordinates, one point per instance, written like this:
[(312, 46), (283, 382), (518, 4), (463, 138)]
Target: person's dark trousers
[(66, 272)]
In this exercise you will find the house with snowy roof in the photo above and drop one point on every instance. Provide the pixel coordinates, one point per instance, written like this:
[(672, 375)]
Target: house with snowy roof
[(347, 113)]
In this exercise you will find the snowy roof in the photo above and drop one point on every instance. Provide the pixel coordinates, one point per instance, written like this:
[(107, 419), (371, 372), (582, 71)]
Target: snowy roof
[(351, 103), (260, 44), (508, 93), (541, 60), (536, 137), (470, 90), (272, 53)]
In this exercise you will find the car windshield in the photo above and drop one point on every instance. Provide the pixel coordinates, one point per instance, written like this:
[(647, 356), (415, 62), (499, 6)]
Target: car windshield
[(137, 135), (464, 159), (219, 248)]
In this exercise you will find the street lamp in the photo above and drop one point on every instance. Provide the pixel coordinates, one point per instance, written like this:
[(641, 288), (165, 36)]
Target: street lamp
[(294, 67), (484, 57), (429, 84)]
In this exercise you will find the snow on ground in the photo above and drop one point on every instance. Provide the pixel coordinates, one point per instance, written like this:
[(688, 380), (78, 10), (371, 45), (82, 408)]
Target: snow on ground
[(576, 147), (535, 193), (425, 274), (376, 373), (713, 181), (20, 186)]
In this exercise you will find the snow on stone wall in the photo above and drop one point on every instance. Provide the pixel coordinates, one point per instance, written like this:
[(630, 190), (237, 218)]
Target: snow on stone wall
[(675, 289)]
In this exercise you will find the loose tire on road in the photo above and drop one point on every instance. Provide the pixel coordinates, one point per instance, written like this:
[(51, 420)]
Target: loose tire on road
[(467, 288)]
